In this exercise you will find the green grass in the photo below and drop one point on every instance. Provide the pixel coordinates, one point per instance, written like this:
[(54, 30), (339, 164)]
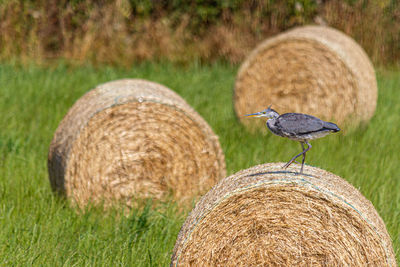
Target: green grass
[(38, 228)]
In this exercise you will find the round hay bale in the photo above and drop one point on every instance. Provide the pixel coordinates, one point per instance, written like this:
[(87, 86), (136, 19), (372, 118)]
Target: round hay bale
[(133, 139), (264, 216), (314, 70)]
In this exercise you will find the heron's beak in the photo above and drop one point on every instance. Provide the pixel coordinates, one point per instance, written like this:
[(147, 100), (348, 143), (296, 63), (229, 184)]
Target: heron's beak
[(253, 114)]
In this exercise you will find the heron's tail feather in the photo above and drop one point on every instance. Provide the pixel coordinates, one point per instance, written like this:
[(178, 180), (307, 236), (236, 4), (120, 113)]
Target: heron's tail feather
[(332, 127)]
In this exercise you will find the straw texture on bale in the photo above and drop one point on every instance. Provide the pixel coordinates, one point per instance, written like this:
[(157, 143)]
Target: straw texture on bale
[(265, 216), (314, 70), (133, 139)]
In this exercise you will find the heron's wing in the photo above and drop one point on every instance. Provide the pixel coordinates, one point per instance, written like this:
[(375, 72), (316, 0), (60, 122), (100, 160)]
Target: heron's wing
[(297, 123)]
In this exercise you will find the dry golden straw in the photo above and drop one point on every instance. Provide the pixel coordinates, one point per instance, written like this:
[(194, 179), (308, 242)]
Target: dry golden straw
[(314, 70), (266, 216), (133, 139)]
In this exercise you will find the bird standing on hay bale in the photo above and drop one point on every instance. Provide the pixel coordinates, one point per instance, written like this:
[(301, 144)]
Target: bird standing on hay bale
[(296, 126)]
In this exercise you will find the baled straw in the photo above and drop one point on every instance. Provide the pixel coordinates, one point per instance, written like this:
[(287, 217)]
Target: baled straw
[(266, 216), (133, 139), (314, 70)]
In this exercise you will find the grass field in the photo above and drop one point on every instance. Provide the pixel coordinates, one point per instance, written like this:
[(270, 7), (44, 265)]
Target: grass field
[(40, 229)]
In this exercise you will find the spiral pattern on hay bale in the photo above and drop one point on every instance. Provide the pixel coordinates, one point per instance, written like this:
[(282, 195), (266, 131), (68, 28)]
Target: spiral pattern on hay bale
[(265, 216), (133, 139), (314, 70)]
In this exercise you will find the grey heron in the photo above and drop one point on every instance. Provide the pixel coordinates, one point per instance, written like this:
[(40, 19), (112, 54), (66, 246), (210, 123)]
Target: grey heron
[(296, 126)]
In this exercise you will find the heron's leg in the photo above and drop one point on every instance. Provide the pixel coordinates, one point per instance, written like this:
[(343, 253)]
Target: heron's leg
[(304, 154), (304, 157), (294, 158), (302, 146), (298, 155)]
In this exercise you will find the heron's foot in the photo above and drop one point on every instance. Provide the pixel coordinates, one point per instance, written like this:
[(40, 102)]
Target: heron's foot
[(287, 165), (301, 169)]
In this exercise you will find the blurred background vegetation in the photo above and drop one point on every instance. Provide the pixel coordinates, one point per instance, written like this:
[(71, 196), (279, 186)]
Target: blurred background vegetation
[(124, 32), (39, 229)]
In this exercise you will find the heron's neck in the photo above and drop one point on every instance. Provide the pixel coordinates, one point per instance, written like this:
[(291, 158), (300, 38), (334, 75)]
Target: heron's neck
[(271, 125), (274, 115), (271, 122)]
